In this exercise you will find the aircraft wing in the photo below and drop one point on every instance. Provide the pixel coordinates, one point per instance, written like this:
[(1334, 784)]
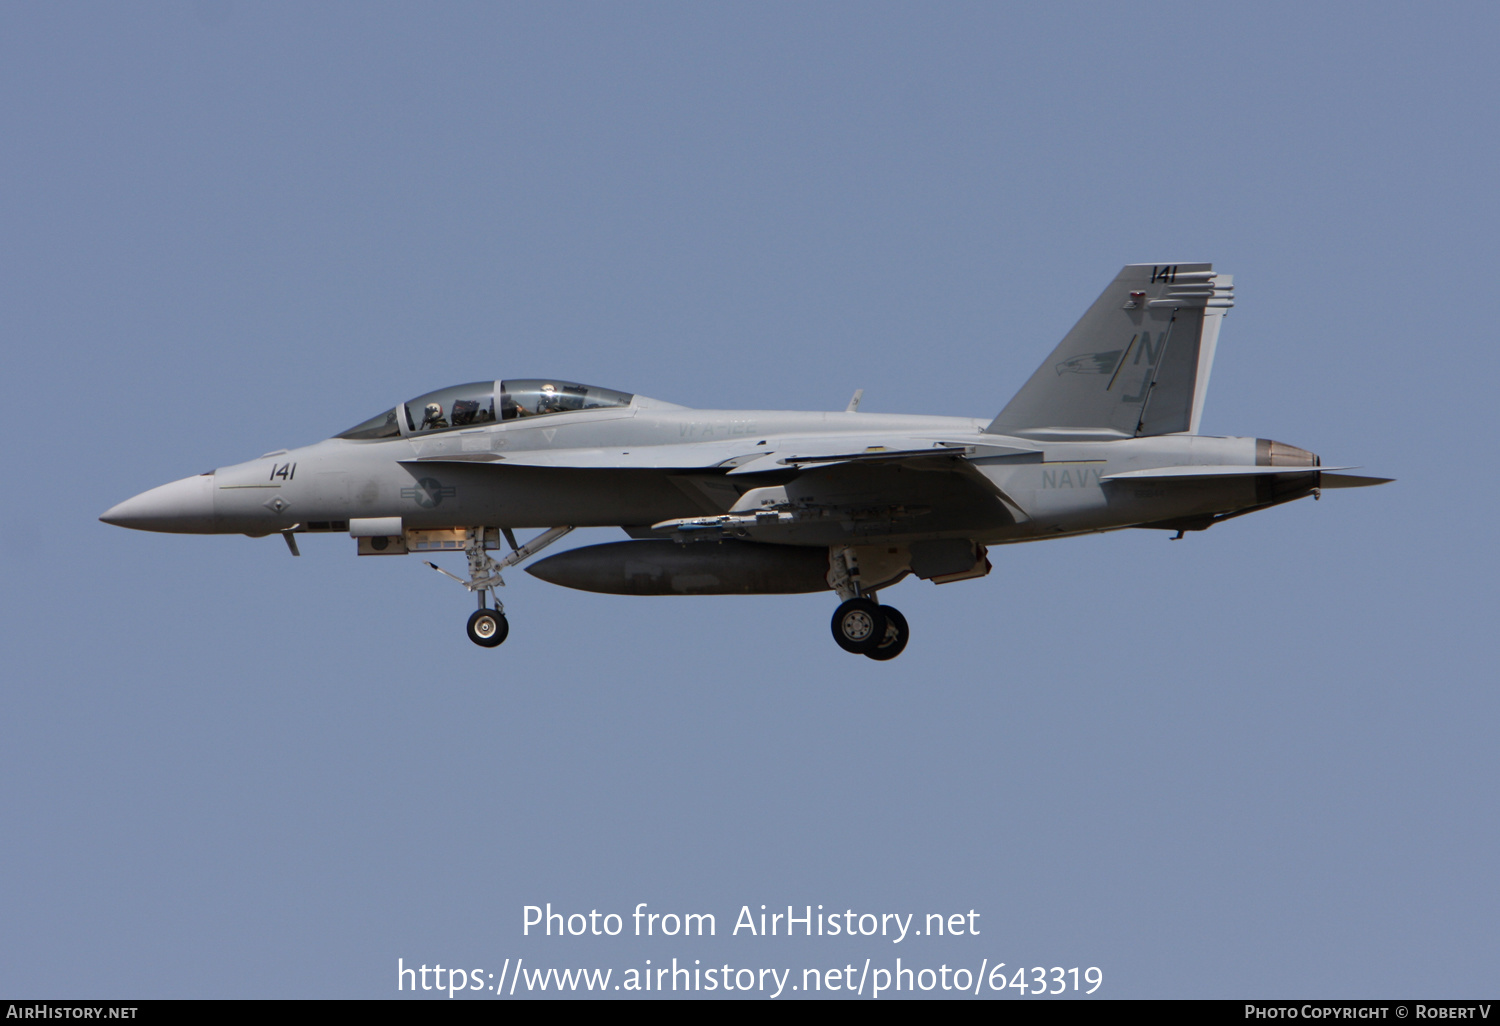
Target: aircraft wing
[(740, 456), (826, 451), (931, 488), (830, 479)]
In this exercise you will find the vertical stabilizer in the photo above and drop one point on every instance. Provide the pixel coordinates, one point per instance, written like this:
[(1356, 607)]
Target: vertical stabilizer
[(1137, 363)]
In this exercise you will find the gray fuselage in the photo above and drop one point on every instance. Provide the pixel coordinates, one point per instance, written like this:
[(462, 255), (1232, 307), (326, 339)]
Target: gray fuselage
[(602, 473)]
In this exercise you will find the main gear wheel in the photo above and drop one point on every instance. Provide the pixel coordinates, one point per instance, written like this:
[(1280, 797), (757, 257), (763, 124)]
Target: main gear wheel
[(859, 625)]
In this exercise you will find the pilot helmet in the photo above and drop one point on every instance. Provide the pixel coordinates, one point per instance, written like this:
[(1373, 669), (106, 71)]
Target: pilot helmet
[(434, 411)]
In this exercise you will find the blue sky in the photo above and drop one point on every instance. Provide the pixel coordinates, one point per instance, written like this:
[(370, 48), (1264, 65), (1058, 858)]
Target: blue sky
[(1259, 761)]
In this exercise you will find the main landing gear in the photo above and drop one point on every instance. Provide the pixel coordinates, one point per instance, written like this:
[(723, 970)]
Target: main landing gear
[(488, 627), (860, 624)]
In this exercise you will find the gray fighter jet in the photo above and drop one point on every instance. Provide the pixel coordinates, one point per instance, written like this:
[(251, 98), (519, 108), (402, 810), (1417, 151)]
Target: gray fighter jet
[(1103, 436)]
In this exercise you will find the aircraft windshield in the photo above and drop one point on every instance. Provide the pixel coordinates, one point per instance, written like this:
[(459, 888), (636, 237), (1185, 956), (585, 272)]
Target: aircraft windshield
[(382, 425), (535, 397)]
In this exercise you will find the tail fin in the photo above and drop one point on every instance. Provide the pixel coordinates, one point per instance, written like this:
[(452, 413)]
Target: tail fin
[(1136, 364)]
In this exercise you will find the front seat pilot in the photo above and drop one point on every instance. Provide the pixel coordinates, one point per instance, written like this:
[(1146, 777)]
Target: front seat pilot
[(433, 418)]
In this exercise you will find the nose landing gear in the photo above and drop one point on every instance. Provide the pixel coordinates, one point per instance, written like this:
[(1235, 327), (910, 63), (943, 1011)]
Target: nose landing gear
[(489, 627)]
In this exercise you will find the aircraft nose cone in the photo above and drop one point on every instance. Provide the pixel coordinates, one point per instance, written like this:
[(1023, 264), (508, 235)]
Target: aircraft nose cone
[(181, 507)]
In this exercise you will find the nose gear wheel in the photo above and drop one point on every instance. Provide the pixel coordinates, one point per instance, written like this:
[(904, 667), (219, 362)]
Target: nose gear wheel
[(488, 627)]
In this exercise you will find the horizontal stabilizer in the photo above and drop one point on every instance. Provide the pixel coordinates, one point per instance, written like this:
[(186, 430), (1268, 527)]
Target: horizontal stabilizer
[(1212, 471), (1353, 481)]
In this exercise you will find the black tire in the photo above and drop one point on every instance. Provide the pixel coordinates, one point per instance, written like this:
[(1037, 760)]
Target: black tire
[(896, 635), (488, 627), (858, 625)]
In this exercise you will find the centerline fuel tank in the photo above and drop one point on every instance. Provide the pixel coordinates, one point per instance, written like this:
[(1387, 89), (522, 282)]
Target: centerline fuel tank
[(651, 567)]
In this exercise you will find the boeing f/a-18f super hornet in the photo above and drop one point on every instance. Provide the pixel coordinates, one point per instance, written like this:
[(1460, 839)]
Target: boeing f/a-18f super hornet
[(1103, 436)]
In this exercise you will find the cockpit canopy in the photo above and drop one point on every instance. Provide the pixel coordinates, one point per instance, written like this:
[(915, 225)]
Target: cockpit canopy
[(474, 404)]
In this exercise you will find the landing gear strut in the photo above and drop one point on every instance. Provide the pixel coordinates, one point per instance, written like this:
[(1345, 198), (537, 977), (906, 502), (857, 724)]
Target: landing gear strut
[(489, 627), (860, 624)]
